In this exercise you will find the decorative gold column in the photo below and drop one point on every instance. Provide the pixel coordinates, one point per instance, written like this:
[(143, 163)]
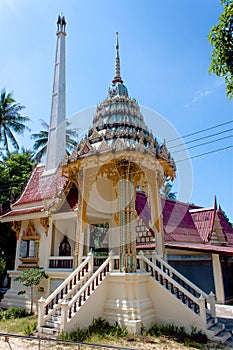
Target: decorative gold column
[(126, 198), (156, 211)]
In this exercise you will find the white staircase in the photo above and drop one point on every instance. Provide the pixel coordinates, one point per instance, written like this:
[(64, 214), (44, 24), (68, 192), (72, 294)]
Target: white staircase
[(187, 293), (55, 312), (65, 307)]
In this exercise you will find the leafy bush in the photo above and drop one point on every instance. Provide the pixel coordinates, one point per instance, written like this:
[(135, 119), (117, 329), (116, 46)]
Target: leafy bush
[(13, 312), (178, 334), (102, 328), (99, 327), (30, 328)]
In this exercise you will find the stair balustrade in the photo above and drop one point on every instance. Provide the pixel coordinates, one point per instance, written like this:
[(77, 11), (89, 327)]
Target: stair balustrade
[(183, 289), (73, 283), (70, 308)]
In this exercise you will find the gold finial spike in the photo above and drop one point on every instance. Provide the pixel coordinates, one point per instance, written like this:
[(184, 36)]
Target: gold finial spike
[(117, 78)]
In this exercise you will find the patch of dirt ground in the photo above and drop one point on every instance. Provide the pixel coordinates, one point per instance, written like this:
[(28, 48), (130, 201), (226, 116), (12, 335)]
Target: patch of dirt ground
[(161, 343)]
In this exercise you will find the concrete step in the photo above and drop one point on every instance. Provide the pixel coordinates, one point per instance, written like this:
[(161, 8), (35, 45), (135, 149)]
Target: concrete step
[(216, 328), (49, 331), (56, 318), (53, 324), (223, 336), (229, 342)]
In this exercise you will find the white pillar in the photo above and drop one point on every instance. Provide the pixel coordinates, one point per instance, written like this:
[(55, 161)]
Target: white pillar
[(41, 305), (56, 149), (218, 279), (201, 302)]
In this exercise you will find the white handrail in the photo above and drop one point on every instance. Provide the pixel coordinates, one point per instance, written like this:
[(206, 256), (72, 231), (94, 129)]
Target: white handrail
[(193, 286), (171, 280), (67, 280), (178, 274), (90, 280)]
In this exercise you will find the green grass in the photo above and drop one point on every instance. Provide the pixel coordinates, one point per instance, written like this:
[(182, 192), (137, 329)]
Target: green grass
[(17, 325), (100, 331)]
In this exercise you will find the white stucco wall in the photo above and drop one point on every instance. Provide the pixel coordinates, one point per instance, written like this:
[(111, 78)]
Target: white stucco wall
[(93, 308)]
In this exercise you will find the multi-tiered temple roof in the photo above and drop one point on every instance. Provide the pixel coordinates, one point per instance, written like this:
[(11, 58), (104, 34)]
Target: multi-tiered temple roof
[(118, 124)]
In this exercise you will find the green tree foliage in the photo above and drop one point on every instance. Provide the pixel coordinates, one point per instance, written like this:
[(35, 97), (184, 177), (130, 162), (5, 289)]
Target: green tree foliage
[(14, 173), (221, 38), (11, 121), (31, 278), (41, 140)]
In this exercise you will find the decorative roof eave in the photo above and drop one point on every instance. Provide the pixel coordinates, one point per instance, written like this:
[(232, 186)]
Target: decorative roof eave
[(140, 154), (25, 214), (169, 169), (207, 248)]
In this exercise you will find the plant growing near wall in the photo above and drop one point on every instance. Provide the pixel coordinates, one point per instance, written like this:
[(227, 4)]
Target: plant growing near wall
[(31, 278)]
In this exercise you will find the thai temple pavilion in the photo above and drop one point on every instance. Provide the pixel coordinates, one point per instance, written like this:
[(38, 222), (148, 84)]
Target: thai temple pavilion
[(111, 246)]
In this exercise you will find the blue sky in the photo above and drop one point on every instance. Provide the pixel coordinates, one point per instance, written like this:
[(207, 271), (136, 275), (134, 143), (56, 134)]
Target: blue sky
[(165, 57)]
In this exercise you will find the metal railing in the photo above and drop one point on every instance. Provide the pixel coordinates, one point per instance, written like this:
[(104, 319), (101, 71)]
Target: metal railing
[(80, 345)]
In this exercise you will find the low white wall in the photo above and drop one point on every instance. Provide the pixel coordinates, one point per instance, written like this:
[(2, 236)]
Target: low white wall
[(93, 308)]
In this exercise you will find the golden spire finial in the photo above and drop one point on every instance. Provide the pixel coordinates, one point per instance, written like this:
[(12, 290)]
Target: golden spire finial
[(117, 78)]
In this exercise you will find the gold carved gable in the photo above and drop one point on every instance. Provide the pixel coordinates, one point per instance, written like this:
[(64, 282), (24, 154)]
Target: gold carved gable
[(85, 148), (30, 232)]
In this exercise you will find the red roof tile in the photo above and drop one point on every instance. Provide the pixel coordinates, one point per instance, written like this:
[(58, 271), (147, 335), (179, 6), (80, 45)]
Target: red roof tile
[(177, 221), (25, 211), (226, 226), (41, 187), (204, 222)]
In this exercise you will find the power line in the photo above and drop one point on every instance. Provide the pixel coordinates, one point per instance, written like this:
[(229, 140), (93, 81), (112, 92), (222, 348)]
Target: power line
[(204, 143), (204, 154), (200, 131), (202, 138)]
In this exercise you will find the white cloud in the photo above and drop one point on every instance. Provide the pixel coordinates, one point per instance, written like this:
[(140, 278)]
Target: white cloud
[(197, 96)]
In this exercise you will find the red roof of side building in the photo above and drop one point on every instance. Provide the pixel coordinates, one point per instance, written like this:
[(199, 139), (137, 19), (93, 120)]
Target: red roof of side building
[(204, 221), (24, 211), (177, 221), (226, 226), (41, 187)]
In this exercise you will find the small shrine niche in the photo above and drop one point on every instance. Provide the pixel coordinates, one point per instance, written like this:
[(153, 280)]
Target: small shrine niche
[(29, 247), (65, 248)]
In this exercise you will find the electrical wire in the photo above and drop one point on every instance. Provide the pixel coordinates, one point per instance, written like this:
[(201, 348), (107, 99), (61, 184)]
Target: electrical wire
[(204, 154), (202, 138), (204, 143), (200, 131)]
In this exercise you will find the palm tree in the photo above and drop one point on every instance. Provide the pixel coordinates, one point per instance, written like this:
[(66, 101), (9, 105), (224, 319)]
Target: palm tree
[(166, 191), (41, 140), (10, 121)]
